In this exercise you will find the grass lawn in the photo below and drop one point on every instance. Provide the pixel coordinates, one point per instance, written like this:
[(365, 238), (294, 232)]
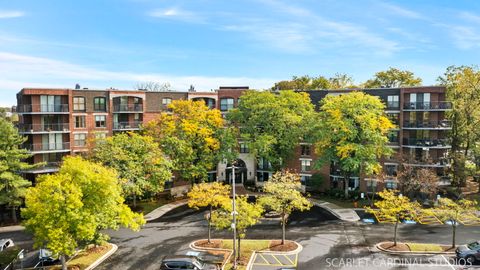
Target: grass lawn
[(146, 207), (424, 247), (247, 247), (85, 258)]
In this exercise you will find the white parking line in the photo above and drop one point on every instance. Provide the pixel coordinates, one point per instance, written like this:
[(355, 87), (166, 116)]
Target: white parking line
[(451, 266)]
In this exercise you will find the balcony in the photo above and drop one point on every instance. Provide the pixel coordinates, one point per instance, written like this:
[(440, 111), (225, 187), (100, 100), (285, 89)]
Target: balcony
[(45, 128), (128, 108), (41, 148), (43, 109), (428, 106), (49, 167), (426, 143), (393, 106), (428, 163), (134, 125), (442, 125)]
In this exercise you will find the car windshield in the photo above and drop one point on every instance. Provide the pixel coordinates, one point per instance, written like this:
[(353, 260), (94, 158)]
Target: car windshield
[(474, 245), (198, 263)]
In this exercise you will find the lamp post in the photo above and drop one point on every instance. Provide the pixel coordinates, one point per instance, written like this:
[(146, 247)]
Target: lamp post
[(234, 219)]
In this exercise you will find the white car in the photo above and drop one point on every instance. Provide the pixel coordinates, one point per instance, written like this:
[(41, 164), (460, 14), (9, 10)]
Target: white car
[(5, 243)]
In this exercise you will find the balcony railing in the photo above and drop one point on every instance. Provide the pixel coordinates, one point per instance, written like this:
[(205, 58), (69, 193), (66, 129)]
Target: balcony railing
[(429, 124), (40, 147), (126, 125), (128, 107), (436, 105), (425, 142), (393, 105), (46, 108), (30, 128), (442, 162)]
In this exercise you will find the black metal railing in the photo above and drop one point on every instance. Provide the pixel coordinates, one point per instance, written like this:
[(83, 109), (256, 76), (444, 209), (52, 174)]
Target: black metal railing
[(126, 125), (393, 105), (434, 105), (47, 146), (42, 108), (428, 124), (43, 127), (426, 142), (427, 162), (128, 107)]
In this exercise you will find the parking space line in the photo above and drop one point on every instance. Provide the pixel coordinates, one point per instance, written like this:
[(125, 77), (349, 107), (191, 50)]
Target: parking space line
[(265, 260), (288, 259), (275, 257)]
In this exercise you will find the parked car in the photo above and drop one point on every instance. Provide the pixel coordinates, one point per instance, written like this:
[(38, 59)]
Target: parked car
[(46, 258), (469, 252), (5, 243), (186, 262)]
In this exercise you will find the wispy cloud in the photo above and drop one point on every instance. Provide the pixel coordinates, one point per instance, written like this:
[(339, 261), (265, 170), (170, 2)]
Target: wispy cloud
[(7, 14), (46, 72), (176, 13), (402, 11), (468, 16)]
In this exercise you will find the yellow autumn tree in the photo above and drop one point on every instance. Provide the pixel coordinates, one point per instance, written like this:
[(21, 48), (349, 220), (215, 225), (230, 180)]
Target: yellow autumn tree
[(193, 136), (212, 195), (393, 208)]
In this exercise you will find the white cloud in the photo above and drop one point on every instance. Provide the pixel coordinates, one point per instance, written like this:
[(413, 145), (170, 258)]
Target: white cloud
[(175, 13), (468, 16), (7, 14), (45, 72), (403, 12)]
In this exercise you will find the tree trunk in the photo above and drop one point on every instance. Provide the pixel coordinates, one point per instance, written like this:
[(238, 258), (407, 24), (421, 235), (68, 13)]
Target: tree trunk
[(395, 234), (134, 200), (14, 214), (283, 228), (64, 263), (346, 179), (209, 224), (238, 247), (454, 229)]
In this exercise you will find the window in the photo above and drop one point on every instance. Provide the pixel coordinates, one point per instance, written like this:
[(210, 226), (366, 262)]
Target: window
[(100, 135), (390, 184), (166, 101), (80, 121), (392, 102), (226, 104), (52, 104), (243, 148), (391, 170), (79, 104), (263, 164), (394, 118), (80, 139), (371, 184), (99, 104), (306, 165), (100, 121), (305, 150), (393, 136), (263, 176), (305, 180)]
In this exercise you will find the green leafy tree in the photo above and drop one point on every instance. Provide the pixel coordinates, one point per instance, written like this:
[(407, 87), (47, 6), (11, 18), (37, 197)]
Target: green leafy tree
[(141, 165), (393, 77), (273, 124), (248, 214), (453, 211), (212, 195), (68, 209), (463, 90), (341, 81), (394, 208), (194, 138), (12, 185), (352, 132), (283, 196)]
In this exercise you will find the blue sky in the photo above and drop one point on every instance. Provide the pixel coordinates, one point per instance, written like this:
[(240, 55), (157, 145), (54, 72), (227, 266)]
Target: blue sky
[(207, 43)]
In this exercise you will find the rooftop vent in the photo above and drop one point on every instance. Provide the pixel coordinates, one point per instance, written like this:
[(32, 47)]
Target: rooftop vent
[(77, 86)]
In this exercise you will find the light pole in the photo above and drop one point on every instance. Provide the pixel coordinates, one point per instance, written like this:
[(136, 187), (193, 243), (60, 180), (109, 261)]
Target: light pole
[(234, 215)]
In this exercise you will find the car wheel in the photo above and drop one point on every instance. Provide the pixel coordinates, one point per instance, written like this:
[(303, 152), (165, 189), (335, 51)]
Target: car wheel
[(470, 259)]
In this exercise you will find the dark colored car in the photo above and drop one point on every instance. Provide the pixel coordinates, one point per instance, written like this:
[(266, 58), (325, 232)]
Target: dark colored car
[(186, 262), (469, 252)]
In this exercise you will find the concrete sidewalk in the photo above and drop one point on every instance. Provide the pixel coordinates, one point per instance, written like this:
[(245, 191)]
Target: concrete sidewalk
[(345, 214), (13, 228), (157, 213)]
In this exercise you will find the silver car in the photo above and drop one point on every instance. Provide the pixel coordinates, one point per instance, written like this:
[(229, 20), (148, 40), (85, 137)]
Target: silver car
[(469, 252)]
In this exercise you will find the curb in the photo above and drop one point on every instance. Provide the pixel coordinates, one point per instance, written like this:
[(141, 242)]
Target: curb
[(103, 258), (13, 228), (377, 246), (164, 209), (230, 252)]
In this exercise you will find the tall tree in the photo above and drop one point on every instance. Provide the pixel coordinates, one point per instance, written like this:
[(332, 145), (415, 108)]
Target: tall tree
[(463, 90), (70, 208), (341, 81), (352, 132), (141, 165), (273, 124), (393, 77), (394, 208), (212, 195), (416, 182), (153, 86), (305, 82), (193, 137), (283, 196), (248, 214), (12, 185), (451, 211)]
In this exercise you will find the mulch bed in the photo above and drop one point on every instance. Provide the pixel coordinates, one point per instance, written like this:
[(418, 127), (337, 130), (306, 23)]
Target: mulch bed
[(212, 244), (276, 245), (404, 247)]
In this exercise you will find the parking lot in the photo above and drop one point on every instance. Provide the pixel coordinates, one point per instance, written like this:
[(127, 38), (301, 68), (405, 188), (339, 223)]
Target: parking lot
[(273, 261)]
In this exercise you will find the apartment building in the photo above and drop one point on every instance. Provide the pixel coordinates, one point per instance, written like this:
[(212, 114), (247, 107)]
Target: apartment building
[(59, 122)]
